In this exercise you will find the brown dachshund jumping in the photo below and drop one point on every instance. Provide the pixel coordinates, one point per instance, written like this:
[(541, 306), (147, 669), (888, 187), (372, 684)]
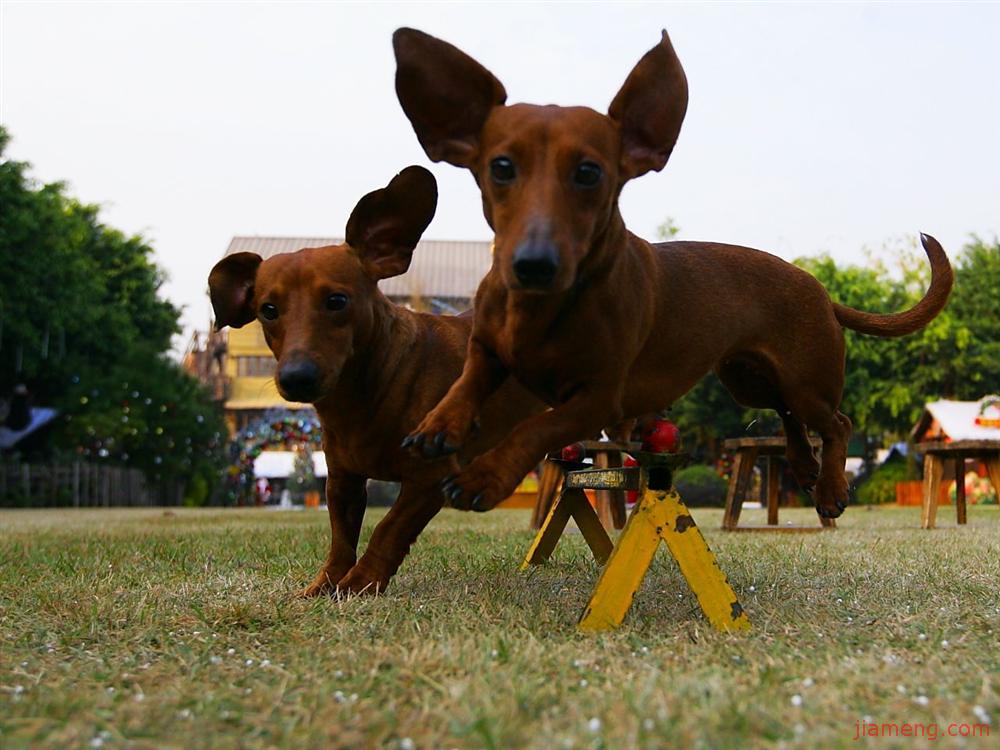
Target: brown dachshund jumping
[(371, 368), (599, 323)]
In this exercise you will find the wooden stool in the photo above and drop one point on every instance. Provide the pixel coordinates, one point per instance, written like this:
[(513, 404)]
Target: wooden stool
[(659, 516), (610, 503), (936, 453), (747, 450)]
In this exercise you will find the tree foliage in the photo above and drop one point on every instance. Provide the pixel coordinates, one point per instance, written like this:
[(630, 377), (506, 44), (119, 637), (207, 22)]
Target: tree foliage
[(82, 324)]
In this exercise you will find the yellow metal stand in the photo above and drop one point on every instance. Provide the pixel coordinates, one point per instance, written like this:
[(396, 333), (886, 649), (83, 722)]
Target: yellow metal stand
[(660, 515)]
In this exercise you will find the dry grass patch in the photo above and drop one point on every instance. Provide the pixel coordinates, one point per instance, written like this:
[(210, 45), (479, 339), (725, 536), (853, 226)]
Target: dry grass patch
[(136, 628)]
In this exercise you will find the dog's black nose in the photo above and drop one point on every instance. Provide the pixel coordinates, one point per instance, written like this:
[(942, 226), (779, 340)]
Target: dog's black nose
[(299, 379), (536, 263)]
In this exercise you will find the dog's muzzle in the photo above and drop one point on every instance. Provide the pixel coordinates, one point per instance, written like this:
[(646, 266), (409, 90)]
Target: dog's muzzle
[(300, 379), (536, 263)]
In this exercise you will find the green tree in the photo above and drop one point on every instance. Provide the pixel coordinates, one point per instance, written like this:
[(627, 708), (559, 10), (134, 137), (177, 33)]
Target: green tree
[(975, 307), (957, 355), (667, 230), (82, 324)]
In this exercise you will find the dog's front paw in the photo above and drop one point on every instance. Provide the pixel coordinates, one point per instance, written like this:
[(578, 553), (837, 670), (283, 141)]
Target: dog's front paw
[(831, 496), (478, 487), (442, 432), (359, 581), (324, 584), (805, 469)]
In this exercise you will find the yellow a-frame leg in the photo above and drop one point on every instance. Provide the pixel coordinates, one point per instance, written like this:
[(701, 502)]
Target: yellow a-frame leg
[(661, 516), (571, 503)]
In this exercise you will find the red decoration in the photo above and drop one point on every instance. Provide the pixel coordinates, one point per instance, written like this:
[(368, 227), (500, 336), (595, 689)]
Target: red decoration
[(631, 496), (661, 436), (573, 452)]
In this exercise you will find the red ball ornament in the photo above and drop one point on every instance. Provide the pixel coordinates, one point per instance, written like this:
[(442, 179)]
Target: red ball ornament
[(573, 452), (661, 436), (631, 496)]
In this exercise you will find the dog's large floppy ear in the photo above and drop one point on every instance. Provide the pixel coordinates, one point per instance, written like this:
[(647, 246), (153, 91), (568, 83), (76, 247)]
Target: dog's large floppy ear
[(445, 93), (230, 285), (386, 224), (649, 109)]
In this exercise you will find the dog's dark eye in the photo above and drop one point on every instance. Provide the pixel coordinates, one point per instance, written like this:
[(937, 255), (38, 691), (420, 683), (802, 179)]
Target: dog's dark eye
[(336, 302), (268, 311), (502, 170), (587, 174)]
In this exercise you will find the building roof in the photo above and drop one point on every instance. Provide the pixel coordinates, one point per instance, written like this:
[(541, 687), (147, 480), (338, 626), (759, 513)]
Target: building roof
[(440, 268), (957, 420)]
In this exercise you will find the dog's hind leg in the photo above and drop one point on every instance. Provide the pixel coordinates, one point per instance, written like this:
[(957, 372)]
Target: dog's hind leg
[(800, 454), (835, 429), (753, 382)]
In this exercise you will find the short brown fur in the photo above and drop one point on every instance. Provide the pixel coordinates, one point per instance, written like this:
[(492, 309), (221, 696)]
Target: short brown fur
[(379, 368), (619, 327)]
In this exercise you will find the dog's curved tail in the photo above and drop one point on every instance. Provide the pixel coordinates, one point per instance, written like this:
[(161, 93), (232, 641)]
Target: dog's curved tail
[(922, 313)]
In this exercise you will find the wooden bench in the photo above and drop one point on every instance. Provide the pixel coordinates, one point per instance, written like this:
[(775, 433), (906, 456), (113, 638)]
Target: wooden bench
[(746, 452), (935, 455)]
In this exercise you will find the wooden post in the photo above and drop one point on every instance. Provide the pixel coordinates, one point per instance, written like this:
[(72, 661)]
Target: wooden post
[(610, 503), (739, 481), (993, 469), (933, 470), (571, 503), (960, 512), (548, 487), (773, 485)]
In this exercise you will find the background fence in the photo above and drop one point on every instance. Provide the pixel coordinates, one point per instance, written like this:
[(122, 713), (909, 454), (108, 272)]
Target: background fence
[(81, 485)]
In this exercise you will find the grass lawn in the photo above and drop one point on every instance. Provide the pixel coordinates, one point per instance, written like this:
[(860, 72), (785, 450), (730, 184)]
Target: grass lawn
[(145, 628)]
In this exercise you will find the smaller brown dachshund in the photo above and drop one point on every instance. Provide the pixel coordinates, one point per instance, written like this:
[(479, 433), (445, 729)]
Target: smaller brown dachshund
[(371, 368)]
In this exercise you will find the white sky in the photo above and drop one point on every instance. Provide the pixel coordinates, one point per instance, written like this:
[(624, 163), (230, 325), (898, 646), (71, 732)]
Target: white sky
[(810, 128)]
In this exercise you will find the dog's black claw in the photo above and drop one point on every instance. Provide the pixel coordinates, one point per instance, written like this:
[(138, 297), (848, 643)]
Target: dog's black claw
[(841, 506), (448, 448), (407, 441), (435, 446), (475, 505), (454, 493), (439, 442)]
